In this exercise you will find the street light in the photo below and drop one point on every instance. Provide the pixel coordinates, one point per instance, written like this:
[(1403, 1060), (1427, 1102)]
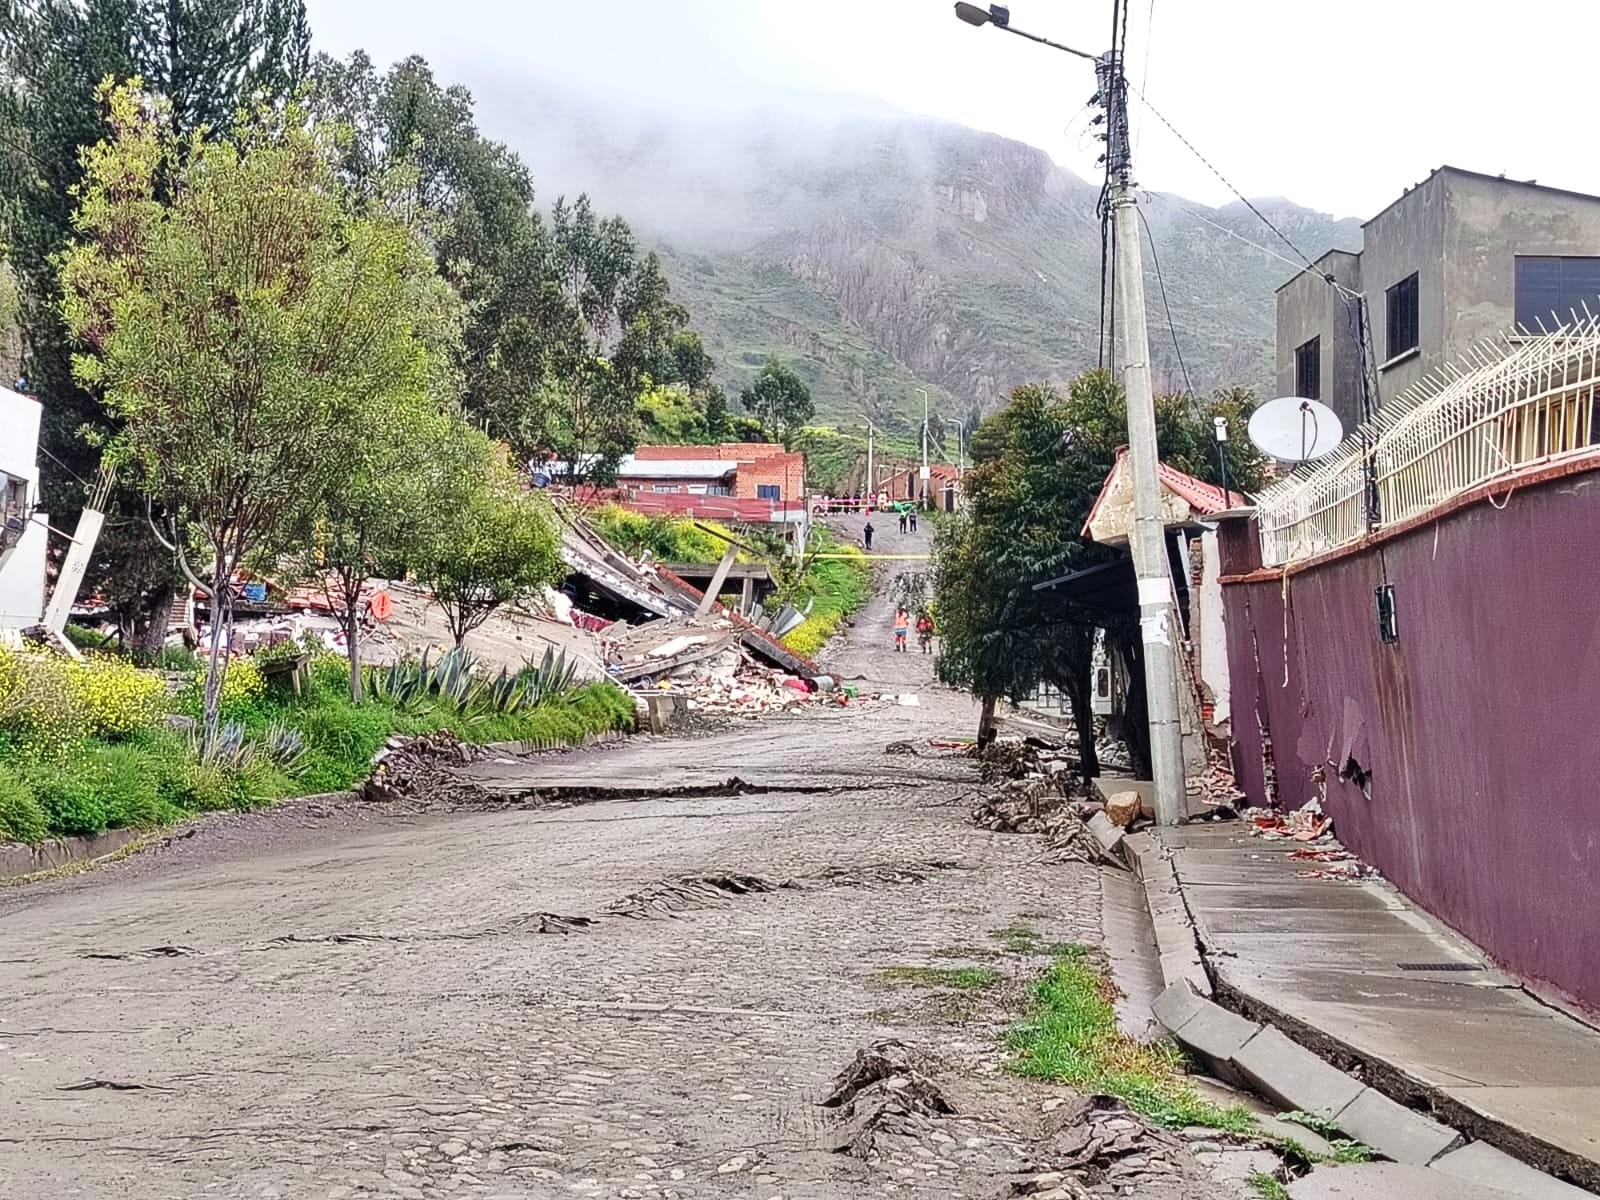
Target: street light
[(973, 15), (1000, 17)]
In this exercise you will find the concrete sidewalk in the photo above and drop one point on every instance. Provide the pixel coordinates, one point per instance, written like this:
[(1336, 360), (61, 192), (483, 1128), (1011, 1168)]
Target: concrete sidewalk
[(1336, 965)]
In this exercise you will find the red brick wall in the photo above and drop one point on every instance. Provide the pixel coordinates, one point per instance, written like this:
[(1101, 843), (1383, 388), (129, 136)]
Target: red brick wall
[(787, 471)]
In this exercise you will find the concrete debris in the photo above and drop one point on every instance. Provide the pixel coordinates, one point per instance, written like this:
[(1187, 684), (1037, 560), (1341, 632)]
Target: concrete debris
[(1098, 1143), (1306, 824), (1123, 808), (883, 1093)]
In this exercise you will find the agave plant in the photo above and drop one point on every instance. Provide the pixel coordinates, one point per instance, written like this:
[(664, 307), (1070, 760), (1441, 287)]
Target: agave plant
[(232, 748), (553, 675), (285, 747), (457, 681)]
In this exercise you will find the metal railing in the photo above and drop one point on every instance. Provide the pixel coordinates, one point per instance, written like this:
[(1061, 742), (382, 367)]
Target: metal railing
[(1525, 400)]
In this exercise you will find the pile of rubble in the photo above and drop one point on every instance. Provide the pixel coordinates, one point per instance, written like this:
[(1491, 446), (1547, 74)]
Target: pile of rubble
[(883, 1093), (420, 769), (1320, 854), (1215, 785), (1097, 1146), (706, 660)]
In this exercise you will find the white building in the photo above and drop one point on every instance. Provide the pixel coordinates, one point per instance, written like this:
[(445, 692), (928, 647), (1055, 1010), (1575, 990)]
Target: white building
[(22, 530)]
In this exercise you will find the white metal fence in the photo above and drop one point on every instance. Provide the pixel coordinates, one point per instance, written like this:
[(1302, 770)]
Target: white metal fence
[(1521, 401)]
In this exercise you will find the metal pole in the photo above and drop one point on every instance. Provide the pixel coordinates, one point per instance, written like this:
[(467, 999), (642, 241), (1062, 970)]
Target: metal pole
[(871, 487), (1156, 626)]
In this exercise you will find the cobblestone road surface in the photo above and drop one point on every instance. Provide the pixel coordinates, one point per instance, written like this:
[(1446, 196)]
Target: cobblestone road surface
[(320, 1003)]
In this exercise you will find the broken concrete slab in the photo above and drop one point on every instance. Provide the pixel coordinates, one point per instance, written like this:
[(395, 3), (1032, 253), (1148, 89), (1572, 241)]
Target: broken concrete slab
[(1481, 1163), (1215, 1035), (1177, 1006), (1294, 1077), (1395, 1131), (1107, 834), (1386, 1181)]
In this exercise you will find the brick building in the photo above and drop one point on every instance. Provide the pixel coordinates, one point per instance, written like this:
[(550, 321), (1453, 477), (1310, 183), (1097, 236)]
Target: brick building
[(741, 470)]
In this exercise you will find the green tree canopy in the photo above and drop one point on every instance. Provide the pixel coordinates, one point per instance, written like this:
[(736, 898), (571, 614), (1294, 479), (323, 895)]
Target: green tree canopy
[(490, 541), (1039, 464), (779, 399), (247, 325)]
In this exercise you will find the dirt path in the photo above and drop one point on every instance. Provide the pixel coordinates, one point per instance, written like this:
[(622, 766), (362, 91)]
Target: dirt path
[(336, 1003)]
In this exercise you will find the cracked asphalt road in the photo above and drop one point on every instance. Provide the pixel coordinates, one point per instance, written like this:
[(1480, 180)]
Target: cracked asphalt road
[(331, 1002)]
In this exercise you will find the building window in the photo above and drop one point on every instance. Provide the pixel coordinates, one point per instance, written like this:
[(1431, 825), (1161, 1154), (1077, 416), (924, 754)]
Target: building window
[(1403, 326), (670, 488), (768, 491), (719, 489), (1552, 288), (1308, 370)]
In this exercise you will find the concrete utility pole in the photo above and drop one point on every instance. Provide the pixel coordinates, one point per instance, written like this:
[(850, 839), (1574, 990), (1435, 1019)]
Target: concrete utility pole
[(872, 487), (925, 475), (1156, 626)]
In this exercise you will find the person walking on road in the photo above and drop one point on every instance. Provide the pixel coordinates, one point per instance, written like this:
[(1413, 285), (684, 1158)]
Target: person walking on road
[(902, 627), (912, 516), (866, 536), (925, 631), (902, 522)]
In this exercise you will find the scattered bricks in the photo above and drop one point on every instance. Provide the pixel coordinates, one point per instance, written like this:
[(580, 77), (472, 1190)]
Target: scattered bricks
[(1395, 1131), (1481, 1163), (1294, 1077)]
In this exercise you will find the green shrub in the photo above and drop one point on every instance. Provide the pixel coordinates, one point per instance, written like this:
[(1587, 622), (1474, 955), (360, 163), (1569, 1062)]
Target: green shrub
[(208, 787), (668, 539), (21, 817), (85, 638), (70, 798), (129, 785)]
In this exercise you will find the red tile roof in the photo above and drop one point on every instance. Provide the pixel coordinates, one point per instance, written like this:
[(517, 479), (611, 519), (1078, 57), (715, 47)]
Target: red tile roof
[(1207, 499)]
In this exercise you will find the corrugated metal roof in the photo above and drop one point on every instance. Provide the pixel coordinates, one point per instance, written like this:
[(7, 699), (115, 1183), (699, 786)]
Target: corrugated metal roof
[(674, 468)]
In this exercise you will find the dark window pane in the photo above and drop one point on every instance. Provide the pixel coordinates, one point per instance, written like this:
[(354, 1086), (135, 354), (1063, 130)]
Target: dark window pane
[(1402, 325), (1551, 289), (1308, 370)]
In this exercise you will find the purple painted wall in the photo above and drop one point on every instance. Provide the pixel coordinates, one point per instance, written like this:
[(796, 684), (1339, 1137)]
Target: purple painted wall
[(1480, 727)]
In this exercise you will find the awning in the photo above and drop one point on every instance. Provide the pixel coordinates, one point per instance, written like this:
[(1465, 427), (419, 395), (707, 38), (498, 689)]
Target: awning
[(1111, 588)]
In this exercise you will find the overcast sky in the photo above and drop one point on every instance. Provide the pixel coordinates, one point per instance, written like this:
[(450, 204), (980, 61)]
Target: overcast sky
[(1336, 106)]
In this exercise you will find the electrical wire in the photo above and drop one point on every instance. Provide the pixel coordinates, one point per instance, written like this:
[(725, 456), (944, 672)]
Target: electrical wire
[(1210, 166), (1144, 72), (1155, 260), (45, 450)]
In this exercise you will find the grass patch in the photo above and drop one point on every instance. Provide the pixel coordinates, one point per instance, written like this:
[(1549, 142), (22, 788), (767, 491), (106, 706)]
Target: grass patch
[(1070, 1036), (966, 979), (1269, 1187), (834, 588)]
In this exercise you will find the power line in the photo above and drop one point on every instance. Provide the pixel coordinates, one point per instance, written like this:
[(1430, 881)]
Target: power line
[(1243, 199), (1171, 328), (1144, 73)]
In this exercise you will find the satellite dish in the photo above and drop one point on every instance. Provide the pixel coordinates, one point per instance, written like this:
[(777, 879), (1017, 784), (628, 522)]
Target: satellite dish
[(1291, 429)]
